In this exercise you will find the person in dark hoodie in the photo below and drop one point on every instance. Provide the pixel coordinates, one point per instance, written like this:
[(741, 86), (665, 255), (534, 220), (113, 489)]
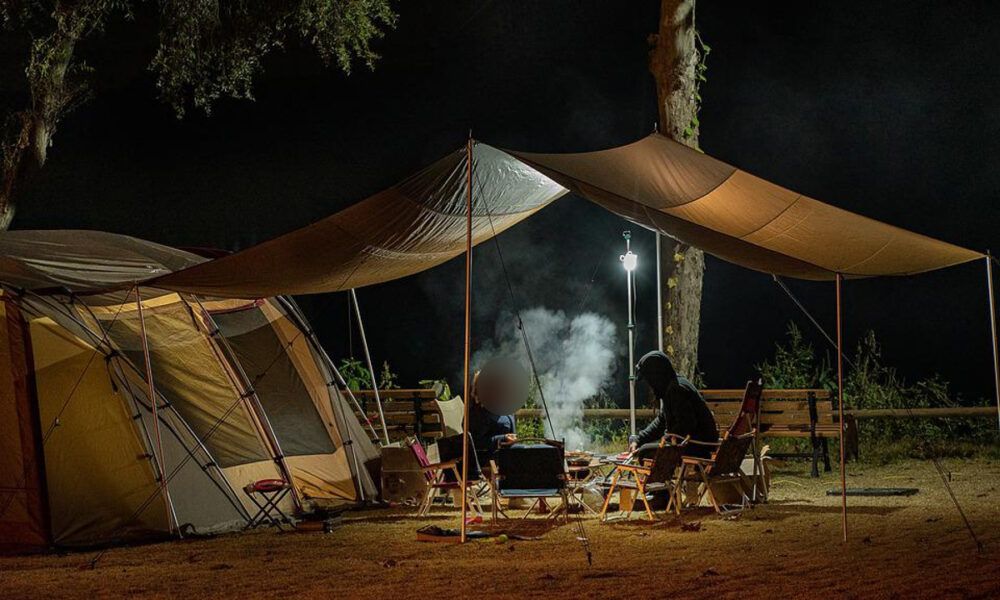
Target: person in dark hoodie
[(682, 410)]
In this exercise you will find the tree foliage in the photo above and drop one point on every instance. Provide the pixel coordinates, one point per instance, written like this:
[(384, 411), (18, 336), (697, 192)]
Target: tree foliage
[(205, 50)]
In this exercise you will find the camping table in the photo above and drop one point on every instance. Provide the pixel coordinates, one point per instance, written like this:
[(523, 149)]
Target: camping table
[(581, 477)]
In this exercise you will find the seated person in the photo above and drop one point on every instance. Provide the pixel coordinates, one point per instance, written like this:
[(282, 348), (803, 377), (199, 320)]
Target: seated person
[(488, 431), (682, 410)]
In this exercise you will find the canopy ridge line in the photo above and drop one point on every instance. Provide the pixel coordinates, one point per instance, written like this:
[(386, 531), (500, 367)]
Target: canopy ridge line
[(811, 318), (582, 536)]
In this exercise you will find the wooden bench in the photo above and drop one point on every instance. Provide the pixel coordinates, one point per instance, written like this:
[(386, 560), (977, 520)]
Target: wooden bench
[(408, 413), (803, 414)]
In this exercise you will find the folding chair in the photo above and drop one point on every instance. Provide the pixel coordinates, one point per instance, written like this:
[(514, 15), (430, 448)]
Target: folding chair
[(446, 476), (650, 475), (271, 492), (531, 469), (747, 420), (723, 468)]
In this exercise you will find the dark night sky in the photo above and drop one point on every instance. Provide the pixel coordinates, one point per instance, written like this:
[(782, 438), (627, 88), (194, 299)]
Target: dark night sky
[(888, 109)]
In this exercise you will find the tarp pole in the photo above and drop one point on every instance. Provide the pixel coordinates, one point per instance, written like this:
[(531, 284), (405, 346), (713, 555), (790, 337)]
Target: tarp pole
[(840, 408), (659, 292), (368, 359), (993, 329), (158, 449), (466, 396)]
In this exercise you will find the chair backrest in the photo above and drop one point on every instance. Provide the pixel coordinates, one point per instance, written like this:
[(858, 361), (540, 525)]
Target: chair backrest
[(749, 415), (729, 457), (421, 455), (665, 462), (531, 466), (450, 448), (452, 413)]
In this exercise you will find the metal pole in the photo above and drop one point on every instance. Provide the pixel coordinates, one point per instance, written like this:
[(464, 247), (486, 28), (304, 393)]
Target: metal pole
[(631, 339), (468, 332), (151, 388), (368, 359), (659, 293), (993, 328), (840, 408)]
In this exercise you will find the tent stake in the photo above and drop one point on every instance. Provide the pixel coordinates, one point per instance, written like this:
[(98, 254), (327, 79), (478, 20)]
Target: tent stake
[(160, 472), (466, 396), (993, 329), (840, 409), (368, 359)]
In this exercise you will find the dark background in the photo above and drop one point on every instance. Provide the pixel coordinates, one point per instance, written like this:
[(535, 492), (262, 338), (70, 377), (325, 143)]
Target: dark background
[(888, 109)]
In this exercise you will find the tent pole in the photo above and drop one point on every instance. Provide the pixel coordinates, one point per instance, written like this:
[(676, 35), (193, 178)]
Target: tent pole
[(158, 448), (368, 359), (468, 333), (993, 329), (659, 292), (840, 408)]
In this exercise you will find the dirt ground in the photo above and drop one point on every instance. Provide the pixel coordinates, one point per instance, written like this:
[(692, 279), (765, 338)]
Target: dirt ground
[(905, 547)]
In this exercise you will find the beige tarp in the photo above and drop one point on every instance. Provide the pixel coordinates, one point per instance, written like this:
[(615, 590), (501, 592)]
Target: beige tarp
[(408, 228), (655, 182), (738, 217)]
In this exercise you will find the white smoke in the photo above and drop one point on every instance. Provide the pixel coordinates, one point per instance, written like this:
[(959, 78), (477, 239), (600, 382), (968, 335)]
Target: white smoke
[(575, 358)]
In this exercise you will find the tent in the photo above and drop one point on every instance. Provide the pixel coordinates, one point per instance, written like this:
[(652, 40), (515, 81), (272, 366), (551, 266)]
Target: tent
[(242, 392)]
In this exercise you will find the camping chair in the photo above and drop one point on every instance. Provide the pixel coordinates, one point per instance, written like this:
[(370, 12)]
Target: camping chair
[(723, 468), (445, 475), (531, 469), (271, 493), (651, 475), (748, 420)]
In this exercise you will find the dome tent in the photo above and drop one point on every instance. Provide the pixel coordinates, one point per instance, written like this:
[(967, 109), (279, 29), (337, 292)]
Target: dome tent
[(80, 452)]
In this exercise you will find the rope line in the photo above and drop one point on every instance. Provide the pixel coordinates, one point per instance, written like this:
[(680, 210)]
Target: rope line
[(811, 318)]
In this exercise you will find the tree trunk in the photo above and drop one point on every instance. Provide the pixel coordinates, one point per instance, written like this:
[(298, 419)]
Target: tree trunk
[(28, 133), (674, 62)]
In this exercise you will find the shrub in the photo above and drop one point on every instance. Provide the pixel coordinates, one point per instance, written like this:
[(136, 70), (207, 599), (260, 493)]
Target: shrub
[(871, 384)]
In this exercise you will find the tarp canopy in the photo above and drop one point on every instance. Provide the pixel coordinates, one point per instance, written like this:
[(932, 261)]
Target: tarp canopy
[(740, 218), (410, 227), (655, 182)]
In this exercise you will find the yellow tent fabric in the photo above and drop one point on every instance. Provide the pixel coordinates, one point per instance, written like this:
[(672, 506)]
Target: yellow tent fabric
[(22, 516), (94, 485), (654, 182)]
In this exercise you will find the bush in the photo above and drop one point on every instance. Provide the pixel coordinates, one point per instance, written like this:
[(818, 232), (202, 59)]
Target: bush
[(871, 384), (356, 374)]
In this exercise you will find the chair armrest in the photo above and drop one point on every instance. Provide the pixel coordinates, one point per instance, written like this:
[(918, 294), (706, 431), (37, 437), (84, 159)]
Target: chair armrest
[(441, 465), (634, 469), (694, 460), (712, 444)]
